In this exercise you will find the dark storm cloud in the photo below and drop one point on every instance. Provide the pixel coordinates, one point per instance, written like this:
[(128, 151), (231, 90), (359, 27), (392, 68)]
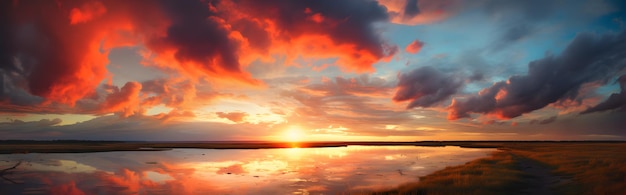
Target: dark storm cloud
[(588, 58), (198, 35), (426, 86), (6, 43), (57, 51), (617, 101), (254, 31), (48, 54), (31, 50), (415, 12), (350, 21), (411, 9), (11, 93)]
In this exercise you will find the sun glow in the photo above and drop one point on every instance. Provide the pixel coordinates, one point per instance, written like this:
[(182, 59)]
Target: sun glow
[(293, 134)]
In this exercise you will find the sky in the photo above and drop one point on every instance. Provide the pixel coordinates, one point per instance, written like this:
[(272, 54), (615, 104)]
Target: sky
[(305, 70)]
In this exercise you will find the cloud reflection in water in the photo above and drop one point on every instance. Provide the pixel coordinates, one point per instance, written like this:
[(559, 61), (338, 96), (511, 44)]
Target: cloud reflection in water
[(202, 171)]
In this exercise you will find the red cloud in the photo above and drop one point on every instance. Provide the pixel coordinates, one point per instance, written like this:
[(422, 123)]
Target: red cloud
[(87, 12), (59, 51), (412, 12), (232, 116), (414, 47), (68, 189), (124, 100), (65, 61), (320, 29)]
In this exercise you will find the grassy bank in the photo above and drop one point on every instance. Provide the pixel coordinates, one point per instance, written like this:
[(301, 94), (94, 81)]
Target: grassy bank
[(497, 174), (591, 168), (532, 168)]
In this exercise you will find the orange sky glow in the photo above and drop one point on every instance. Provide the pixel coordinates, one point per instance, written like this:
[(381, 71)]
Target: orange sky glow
[(311, 70)]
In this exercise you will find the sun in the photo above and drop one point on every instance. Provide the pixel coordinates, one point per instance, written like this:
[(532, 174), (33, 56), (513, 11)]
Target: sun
[(293, 134)]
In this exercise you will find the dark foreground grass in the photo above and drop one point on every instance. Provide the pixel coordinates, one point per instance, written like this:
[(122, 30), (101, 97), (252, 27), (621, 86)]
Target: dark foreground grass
[(571, 168), (588, 168), (497, 174)]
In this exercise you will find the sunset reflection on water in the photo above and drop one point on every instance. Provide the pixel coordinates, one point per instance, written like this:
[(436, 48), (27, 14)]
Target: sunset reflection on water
[(204, 171)]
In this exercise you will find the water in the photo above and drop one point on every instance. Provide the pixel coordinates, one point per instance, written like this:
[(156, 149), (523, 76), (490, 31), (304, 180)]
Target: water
[(207, 171)]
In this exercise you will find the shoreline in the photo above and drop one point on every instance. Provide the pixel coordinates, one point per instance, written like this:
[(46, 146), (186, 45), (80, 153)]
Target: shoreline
[(76, 146)]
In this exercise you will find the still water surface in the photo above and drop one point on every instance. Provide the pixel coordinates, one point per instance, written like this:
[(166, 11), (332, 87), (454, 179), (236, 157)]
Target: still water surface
[(208, 171)]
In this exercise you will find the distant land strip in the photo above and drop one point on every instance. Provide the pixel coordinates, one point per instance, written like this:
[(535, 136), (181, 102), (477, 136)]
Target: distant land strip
[(86, 146)]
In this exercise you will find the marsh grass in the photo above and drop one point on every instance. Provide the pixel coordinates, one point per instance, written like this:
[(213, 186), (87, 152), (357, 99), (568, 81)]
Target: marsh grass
[(586, 168), (497, 174), (581, 168)]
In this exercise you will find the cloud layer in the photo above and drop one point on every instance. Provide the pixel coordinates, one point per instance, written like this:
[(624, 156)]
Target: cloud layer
[(327, 67), (414, 47), (588, 58), (58, 52), (426, 86), (617, 101)]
